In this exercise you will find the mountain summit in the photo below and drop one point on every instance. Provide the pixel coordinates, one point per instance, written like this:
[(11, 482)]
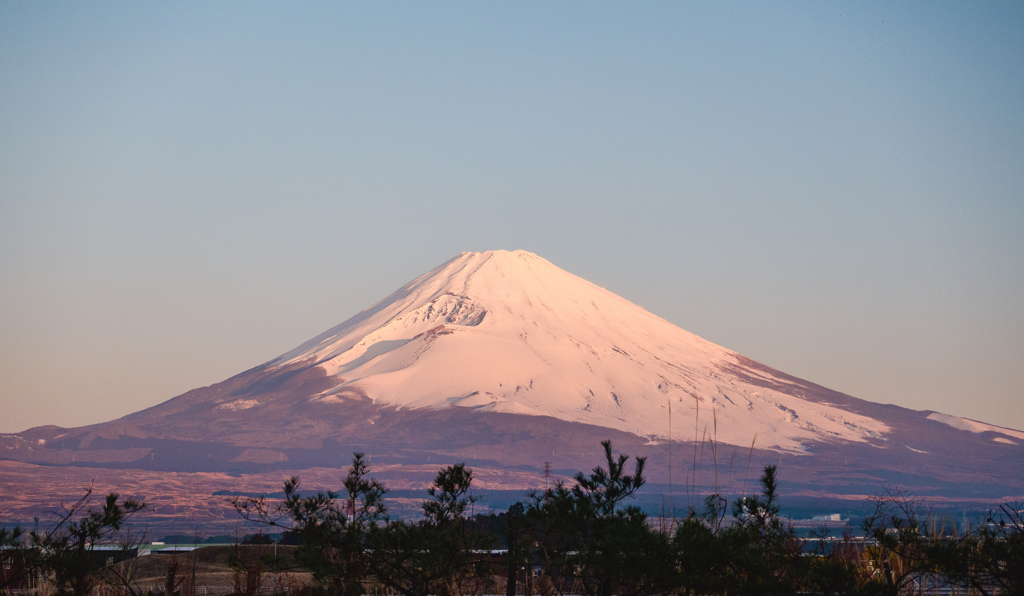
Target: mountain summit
[(505, 362), (510, 332), (509, 363)]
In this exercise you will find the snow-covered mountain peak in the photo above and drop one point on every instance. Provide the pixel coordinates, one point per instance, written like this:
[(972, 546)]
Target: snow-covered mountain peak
[(508, 331)]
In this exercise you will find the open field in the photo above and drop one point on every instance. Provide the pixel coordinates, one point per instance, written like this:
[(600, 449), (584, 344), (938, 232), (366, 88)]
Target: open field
[(208, 570), (180, 502)]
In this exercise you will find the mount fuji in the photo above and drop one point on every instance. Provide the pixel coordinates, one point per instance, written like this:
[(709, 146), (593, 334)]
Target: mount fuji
[(510, 332), (506, 361)]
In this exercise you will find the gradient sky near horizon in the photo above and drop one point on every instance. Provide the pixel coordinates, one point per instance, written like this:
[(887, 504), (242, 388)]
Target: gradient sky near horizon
[(189, 189)]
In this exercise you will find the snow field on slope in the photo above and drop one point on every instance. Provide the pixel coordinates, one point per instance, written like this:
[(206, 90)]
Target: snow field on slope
[(508, 331)]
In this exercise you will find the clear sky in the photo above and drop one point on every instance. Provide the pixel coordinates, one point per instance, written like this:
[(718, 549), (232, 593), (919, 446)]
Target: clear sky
[(188, 189)]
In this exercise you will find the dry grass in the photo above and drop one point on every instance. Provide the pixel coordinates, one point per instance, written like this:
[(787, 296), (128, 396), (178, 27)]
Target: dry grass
[(208, 570)]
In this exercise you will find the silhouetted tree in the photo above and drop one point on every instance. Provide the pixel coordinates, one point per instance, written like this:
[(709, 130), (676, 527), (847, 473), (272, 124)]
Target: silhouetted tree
[(764, 552), (66, 549), (589, 541), (754, 552), (989, 560), (700, 556), (331, 529), (518, 540), (433, 555), (897, 542)]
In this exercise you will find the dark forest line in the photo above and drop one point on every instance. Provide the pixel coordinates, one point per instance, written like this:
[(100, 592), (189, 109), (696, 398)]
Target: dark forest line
[(583, 537)]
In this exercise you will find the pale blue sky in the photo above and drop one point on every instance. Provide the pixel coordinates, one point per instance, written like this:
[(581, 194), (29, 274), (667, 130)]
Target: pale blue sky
[(189, 189)]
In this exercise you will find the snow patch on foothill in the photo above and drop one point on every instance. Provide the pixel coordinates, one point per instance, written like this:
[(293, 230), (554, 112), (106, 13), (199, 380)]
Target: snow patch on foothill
[(974, 426), (239, 404)]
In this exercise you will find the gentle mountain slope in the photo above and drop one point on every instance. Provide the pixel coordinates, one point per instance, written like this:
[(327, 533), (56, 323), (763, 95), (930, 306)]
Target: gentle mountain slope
[(503, 360)]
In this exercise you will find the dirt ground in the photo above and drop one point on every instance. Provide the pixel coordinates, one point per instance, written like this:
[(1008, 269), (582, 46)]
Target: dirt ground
[(209, 570)]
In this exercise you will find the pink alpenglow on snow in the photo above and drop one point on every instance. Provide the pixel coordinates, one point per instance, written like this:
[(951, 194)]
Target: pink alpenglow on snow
[(506, 361), (510, 332)]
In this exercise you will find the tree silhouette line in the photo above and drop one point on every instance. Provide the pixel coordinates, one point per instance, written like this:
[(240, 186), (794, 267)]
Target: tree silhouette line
[(581, 537)]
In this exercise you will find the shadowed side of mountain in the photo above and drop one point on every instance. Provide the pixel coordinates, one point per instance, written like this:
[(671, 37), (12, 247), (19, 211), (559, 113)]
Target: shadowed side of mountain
[(925, 456)]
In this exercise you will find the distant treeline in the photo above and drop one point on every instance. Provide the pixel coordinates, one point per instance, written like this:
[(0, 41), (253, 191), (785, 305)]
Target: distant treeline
[(573, 538)]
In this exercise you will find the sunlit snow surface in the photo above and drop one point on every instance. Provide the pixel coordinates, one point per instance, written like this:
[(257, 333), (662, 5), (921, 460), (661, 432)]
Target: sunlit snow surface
[(976, 427), (510, 332)]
